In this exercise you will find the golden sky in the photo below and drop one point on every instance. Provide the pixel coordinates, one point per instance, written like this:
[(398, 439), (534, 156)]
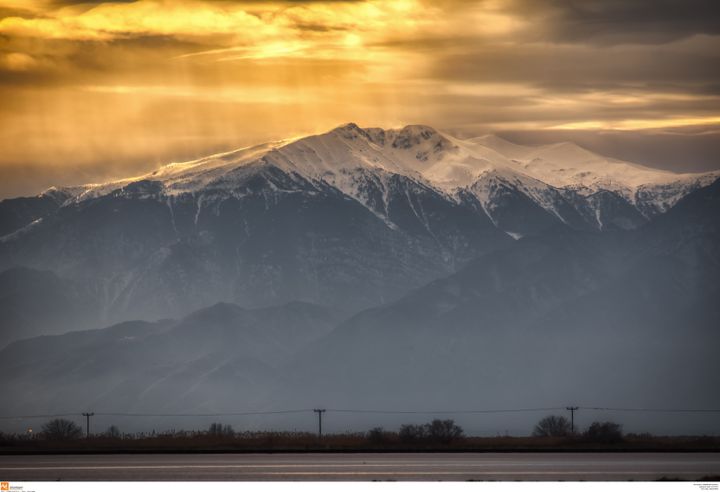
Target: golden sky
[(95, 90)]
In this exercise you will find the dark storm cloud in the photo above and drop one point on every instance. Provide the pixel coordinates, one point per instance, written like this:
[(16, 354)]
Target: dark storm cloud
[(15, 12), (318, 27), (88, 3), (621, 21), (81, 2), (71, 61), (580, 66), (182, 79)]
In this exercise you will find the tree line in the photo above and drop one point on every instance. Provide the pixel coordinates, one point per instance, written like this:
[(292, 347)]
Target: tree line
[(559, 426), (434, 432)]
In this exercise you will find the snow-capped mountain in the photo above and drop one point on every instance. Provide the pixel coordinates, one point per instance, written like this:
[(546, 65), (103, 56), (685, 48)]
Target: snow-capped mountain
[(561, 179), (351, 218)]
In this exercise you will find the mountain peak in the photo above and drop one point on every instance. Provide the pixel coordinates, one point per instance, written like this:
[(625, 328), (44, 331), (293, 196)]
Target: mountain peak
[(60, 195), (412, 135), (349, 130), (420, 130), (566, 152), (416, 151), (404, 137)]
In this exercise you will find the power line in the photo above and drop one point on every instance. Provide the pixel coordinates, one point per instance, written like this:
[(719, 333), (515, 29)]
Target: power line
[(362, 411), (656, 410), (233, 414), (43, 416), (120, 414), (450, 412)]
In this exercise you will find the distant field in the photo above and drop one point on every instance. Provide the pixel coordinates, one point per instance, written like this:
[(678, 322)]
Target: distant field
[(301, 442)]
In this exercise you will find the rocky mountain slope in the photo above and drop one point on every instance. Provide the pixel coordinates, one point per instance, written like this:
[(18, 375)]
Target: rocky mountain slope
[(625, 318), (212, 358), (351, 219)]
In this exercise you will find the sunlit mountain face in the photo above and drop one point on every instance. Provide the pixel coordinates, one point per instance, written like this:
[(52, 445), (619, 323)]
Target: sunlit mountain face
[(214, 207), (349, 219)]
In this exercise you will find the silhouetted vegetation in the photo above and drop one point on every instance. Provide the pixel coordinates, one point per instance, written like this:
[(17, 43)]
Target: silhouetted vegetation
[(443, 435), (552, 426), (604, 432), (443, 431), (378, 435), (217, 429), (437, 431), (113, 432), (411, 433), (61, 430)]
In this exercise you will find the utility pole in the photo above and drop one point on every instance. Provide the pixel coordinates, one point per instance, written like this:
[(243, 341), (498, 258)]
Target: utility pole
[(572, 418), (87, 416), (319, 411)]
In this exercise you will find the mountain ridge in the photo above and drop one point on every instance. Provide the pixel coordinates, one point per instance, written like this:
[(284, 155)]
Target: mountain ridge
[(426, 155), (351, 218)]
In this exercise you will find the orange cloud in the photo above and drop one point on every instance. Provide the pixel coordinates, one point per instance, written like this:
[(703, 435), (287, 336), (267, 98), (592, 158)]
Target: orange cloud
[(110, 88)]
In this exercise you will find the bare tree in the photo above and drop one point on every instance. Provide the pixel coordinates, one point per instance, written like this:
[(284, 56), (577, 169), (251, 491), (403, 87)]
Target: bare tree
[(218, 429), (61, 430), (444, 431), (552, 426), (410, 433), (606, 432), (113, 432), (377, 435), (439, 431)]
